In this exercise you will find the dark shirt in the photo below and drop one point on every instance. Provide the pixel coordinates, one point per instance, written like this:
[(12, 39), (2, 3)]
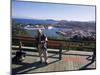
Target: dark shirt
[(41, 38)]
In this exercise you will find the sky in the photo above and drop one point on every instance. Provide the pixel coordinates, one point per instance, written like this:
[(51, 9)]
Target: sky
[(37, 10)]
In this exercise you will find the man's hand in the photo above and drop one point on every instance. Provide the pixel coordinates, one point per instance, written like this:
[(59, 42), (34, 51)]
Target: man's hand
[(42, 41)]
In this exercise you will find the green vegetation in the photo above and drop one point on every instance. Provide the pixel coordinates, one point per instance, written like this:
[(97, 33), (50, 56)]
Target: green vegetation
[(17, 29)]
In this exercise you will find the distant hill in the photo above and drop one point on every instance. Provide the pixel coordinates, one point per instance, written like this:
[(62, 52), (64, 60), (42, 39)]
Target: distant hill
[(61, 23), (34, 21), (71, 24)]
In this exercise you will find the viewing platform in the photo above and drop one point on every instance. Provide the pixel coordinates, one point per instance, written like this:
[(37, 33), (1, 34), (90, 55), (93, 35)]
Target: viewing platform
[(58, 59), (71, 60)]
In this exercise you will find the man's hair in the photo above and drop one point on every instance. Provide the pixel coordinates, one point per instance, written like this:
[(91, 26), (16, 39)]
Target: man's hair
[(39, 31)]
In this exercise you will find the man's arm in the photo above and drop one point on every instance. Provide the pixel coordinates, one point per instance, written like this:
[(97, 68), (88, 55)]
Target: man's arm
[(45, 39)]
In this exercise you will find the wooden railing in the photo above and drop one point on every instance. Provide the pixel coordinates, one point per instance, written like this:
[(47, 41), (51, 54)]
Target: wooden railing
[(20, 40), (54, 44)]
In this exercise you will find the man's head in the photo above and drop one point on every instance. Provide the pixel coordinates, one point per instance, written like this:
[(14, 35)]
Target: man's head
[(40, 32)]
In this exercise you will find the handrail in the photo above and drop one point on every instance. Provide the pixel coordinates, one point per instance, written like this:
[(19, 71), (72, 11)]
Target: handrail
[(58, 44), (32, 38)]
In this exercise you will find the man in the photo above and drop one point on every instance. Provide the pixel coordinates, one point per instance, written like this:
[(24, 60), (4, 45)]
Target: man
[(42, 46)]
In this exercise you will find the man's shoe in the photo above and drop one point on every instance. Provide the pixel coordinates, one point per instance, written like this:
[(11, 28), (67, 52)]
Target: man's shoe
[(40, 62), (46, 63)]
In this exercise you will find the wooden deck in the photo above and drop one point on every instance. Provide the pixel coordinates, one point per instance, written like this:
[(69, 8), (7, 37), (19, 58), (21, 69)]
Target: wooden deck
[(71, 60)]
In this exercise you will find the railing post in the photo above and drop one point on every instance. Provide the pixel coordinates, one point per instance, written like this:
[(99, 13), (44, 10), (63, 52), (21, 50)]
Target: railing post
[(68, 46), (60, 51), (20, 45)]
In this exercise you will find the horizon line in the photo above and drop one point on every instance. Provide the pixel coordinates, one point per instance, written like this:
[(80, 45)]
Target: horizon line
[(54, 19)]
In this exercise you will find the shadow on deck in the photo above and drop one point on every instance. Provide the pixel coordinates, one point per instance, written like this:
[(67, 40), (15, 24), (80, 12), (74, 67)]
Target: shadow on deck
[(32, 65)]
